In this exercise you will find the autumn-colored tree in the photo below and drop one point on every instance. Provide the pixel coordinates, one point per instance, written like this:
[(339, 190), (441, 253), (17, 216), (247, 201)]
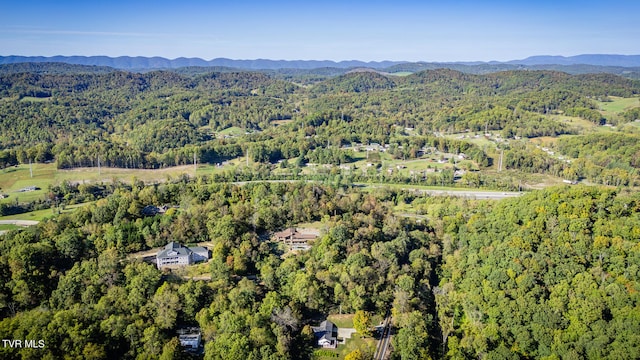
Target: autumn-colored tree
[(356, 354), (362, 322)]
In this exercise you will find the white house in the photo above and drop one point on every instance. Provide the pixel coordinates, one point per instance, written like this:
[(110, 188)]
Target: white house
[(175, 254), (327, 334)]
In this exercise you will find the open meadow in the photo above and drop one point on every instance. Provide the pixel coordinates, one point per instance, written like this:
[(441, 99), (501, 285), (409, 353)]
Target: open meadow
[(17, 178), (618, 104)]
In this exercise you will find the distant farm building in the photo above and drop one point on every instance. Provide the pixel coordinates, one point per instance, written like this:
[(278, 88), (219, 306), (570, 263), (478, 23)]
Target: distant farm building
[(29, 188)]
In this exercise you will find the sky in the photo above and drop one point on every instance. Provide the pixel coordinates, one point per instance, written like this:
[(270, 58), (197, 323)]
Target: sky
[(375, 30)]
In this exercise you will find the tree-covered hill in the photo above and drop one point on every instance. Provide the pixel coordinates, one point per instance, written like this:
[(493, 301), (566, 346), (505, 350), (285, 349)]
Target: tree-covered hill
[(161, 118), (550, 275), (358, 81), (627, 66), (53, 68), (89, 110)]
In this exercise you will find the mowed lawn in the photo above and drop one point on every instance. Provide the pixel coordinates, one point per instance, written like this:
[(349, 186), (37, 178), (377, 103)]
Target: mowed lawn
[(14, 178), (356, 341), (7, 227), (40, 215)]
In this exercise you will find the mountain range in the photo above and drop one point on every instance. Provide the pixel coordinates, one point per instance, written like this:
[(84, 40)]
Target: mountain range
[(148, 63)]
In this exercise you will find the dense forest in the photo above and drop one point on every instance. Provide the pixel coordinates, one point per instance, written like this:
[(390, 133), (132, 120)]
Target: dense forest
[(552, 274), (68, 275)]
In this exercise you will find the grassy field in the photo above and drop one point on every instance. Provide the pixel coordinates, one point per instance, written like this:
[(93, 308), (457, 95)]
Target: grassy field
[(634, 125), (367, 345), (15, 178), (35, 99), (44, 175), (387, 162), (372, 186), (420, 164), (232, 131), (618, 105), (341, 321), (280, 122), (40, 215), (573, 121), (481, 141), (7, 227)]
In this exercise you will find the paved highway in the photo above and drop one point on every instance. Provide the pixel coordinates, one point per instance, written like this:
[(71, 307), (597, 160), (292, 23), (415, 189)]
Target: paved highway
[(19, 222), (471, 194), (468, 193)]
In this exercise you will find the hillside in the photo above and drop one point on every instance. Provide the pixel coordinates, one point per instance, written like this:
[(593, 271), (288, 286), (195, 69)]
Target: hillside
[(161, 118), (624, 65)]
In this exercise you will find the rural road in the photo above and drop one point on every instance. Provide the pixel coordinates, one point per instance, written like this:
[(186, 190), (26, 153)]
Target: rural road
[(383, 343), (19, 222), (470, 194)]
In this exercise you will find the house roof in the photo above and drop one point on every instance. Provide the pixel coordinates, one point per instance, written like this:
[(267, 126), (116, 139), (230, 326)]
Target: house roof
[(174, 245), (198, 249), (285, 233), (326, 332), (176, 249), (325, 339), (173, 249), (294, 234), (325, 327)]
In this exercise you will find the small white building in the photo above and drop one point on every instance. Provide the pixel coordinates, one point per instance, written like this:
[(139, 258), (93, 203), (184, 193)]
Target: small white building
[(326, 335), (190, 338)]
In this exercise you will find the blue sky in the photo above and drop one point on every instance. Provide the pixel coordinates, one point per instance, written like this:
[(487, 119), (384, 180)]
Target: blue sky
[(321, 30)]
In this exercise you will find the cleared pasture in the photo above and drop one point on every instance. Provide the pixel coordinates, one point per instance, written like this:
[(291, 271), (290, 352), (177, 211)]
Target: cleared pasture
[(618, 105), (15, 178)]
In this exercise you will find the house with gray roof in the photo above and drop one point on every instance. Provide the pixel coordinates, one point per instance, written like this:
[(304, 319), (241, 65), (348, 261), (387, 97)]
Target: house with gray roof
[(326, 334), (174, 255)]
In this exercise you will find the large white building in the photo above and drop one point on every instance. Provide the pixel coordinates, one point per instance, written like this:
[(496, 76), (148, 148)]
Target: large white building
[(174, 255)]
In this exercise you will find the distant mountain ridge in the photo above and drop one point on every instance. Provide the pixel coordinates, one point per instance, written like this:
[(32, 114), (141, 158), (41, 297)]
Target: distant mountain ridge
[(146, 63), (143, 63), (586, 59)]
